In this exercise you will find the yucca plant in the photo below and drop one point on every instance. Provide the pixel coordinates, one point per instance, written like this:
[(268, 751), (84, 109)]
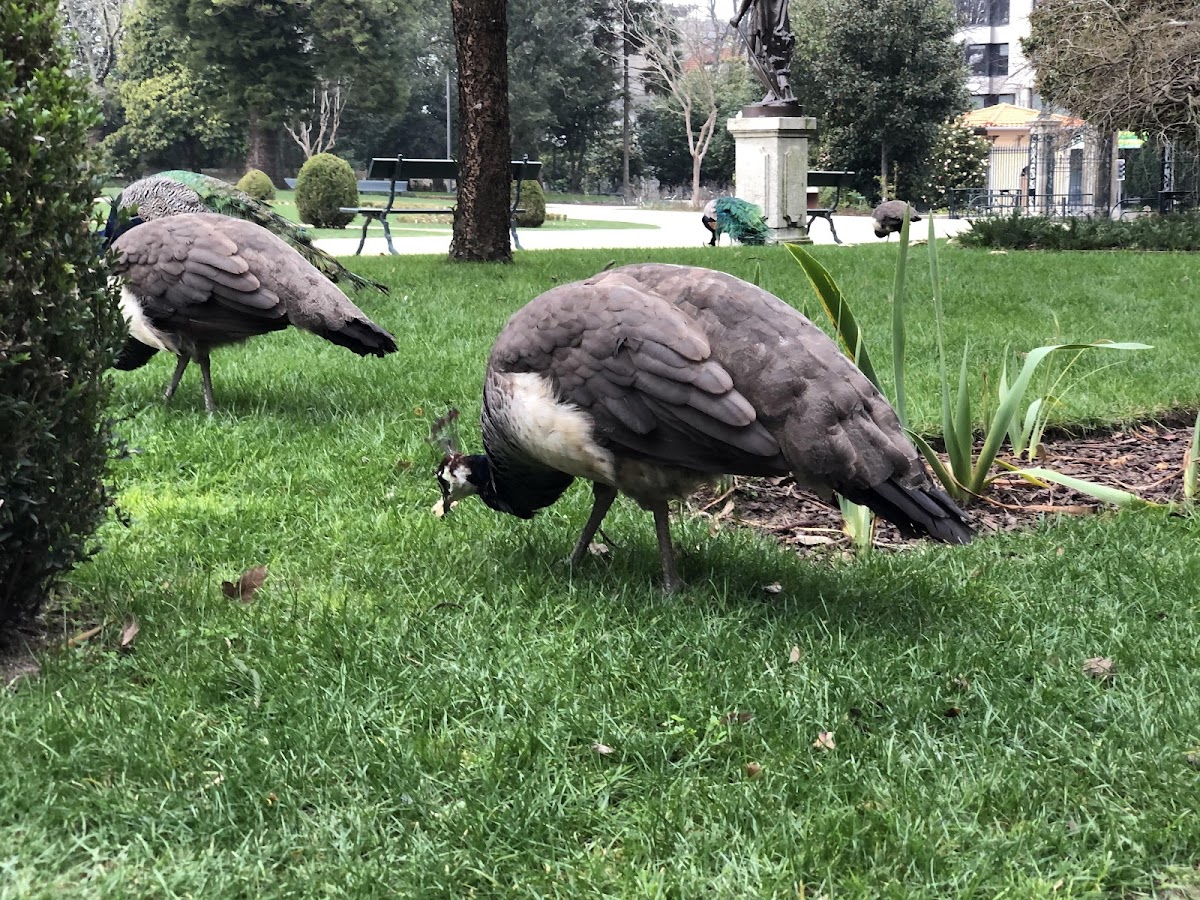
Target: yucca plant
[(1191, 464), (969, 473)]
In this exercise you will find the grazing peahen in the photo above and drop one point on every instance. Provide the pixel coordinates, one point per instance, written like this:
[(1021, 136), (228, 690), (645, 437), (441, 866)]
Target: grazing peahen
[(180, 191), (889, 217), (651, 379), (197, 281), (740, 220)]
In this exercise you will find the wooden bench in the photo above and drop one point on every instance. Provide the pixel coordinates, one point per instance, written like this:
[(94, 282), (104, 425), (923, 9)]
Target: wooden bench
[(828, 178), (365, 186), (391, 171)]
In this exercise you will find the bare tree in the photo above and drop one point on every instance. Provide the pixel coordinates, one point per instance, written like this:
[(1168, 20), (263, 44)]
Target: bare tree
[(95, 27), (324, 117), (684, 61), (1121, 63)]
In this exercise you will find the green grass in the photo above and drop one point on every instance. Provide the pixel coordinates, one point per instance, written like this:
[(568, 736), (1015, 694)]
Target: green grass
[(409, 705)]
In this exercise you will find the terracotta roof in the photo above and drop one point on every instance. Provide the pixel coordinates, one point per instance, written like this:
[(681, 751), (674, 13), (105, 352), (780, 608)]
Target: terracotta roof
[(1006, 115)]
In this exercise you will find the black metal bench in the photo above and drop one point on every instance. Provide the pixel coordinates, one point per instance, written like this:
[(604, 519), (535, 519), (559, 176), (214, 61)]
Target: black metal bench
[(828, 178), (398, 170)]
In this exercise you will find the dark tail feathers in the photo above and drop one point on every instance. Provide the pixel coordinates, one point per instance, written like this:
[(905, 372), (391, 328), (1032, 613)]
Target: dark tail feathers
[(916, 512), (133, 355), (362, 336)]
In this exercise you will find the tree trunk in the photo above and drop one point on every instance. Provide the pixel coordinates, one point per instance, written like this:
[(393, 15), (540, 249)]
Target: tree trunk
[(883, 179), (626, 109), (262, 152), (481, 45)]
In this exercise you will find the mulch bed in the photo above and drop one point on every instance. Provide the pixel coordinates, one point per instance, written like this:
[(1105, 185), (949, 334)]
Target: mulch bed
[(1145, 459)]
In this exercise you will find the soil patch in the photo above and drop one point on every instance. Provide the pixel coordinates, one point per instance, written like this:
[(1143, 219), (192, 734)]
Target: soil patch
[(1145, 459)]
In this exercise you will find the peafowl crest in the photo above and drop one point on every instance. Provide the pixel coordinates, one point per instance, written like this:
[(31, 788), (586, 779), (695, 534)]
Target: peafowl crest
[(737, 218), (179, 191)]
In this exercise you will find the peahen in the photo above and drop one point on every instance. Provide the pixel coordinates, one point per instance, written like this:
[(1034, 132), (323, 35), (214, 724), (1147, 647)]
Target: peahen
[(180, 191), (737, 218), (651, 379)]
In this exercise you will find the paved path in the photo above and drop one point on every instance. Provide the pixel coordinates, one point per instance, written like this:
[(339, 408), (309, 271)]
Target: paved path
[(671, 229)]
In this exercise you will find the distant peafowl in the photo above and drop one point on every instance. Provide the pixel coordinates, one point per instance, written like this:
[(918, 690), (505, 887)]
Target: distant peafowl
[(740, 220), (180, 191)]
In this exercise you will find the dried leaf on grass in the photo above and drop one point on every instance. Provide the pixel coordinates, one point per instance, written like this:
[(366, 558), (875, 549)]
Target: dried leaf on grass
[(1101, 668), (246, 586), (84, 636), (603, 749), (794, 656), (753, 770), (738, 717), (824, 740), (129, 632), (773, 588)]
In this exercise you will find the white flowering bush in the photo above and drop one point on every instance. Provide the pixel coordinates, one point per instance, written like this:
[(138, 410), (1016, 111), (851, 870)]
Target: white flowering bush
[(958, 160)]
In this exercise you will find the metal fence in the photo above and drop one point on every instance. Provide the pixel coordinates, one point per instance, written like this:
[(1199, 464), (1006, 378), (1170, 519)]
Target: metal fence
[(1055, 172)]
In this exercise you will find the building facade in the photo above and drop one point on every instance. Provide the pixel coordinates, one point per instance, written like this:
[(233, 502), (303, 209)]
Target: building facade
[(997, 70)]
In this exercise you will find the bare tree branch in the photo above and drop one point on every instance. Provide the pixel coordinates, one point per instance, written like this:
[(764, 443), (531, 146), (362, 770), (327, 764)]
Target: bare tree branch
[(328, 103), (95, 27), (1132, 64)]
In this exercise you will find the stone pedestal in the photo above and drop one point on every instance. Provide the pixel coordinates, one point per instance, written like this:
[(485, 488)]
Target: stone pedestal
[(772, 169)]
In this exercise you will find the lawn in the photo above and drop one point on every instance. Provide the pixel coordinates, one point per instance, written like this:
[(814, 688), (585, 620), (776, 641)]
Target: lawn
[(413, 707)]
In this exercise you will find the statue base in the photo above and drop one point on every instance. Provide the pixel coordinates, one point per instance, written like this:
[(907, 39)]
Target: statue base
[(772, 109), (771, 169)]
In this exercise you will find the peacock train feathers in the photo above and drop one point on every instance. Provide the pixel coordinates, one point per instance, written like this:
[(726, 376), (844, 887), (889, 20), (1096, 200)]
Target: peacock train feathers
[(179, 191), (739, 219)]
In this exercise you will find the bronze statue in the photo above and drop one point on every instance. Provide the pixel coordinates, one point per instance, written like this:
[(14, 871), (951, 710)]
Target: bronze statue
[(768, 34)]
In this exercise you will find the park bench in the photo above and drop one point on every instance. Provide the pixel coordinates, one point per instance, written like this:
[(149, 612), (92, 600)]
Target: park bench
[(397, 171), (828, 178)]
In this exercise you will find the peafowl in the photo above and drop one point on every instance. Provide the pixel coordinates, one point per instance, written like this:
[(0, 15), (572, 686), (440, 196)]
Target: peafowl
[(194, 282), (889, 217), (740, 220), (652, 379), (180, 191)]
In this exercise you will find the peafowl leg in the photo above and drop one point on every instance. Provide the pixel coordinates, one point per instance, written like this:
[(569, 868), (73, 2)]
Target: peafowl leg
[(603, 497), (209, 403), (662, 525), (179, 367)]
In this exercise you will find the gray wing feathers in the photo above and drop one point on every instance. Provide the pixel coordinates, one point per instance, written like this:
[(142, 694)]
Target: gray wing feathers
[(640, 367)]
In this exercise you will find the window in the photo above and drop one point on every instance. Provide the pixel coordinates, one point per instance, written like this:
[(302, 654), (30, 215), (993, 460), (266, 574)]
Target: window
[(982, 12), (1007, 98), (987, 60)]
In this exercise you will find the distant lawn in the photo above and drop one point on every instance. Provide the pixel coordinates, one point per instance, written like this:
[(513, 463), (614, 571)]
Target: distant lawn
[(414, 226), (411, 707)]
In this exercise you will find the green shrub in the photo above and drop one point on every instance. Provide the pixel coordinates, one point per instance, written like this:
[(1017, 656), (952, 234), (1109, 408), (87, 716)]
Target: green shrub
[(258, 185), (1177, 231), (58, 322), (326, 183), (533, 201)]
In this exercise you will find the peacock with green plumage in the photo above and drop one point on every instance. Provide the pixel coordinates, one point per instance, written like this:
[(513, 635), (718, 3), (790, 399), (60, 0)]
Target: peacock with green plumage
[(179, 191), (737, 218)]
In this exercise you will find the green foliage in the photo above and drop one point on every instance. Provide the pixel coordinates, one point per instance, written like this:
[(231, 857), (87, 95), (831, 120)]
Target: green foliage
[(969, 472), (1175, 231), (171, 114), (58, 323), (533, 201), (258, 185), (326, 183), (880, 75), (958, 159)]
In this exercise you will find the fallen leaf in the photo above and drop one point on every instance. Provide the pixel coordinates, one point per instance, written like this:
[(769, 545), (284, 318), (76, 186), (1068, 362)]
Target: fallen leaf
[(1101, 668), (603, 749), (403, 465), (418, 411), (824, 740), (85, 636), (794, 656), (753, 770), (811, 540), (247, 584), (773, 588), (1193, 759), (741, 718), (953, 712), (597, 549), (129, 632), (1060, 551), (960, 684)]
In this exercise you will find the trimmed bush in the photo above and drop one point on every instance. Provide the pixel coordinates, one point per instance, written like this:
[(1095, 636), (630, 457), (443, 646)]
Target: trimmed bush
[(1178, 231), (258, 185), (533, 201), (326, 183), (59, 323)]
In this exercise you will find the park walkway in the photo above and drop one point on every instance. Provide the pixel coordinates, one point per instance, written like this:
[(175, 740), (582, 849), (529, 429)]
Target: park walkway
[(670, 228)]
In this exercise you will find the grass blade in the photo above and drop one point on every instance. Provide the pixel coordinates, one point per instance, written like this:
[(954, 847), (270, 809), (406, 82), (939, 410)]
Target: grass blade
[(1115, 496), (838, 311), (1191, 463)]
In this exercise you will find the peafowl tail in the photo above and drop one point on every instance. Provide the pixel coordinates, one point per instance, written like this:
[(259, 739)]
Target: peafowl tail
[(742, 220)]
